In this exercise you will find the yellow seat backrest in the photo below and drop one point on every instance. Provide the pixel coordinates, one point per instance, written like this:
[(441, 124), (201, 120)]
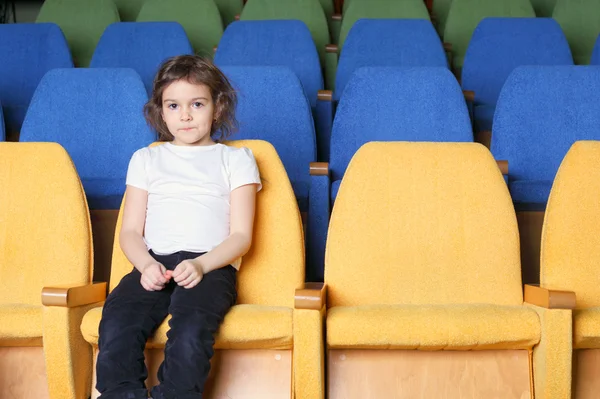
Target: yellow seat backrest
[(423, 223)]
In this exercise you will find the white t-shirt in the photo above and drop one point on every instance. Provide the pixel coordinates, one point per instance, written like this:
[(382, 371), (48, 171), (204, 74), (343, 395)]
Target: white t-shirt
[(188, 193)]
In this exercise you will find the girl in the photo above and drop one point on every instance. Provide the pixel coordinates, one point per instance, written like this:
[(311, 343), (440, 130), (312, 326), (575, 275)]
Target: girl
[(187, 220)]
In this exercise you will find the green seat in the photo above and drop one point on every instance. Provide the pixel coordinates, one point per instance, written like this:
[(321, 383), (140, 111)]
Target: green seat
[(200, 19), (82, 23), (465, 15), (440, 10), (543, 8), (308, 11), (128, 9), (580, 20), (327, 8), (358, 9), (229, 9)]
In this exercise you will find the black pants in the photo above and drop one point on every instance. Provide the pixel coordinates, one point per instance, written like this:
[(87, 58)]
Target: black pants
[(130, 316)]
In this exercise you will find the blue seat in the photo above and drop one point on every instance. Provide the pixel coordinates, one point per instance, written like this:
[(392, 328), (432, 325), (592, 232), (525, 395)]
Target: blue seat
[(280, 43), (28, 52), (142, 46), (388, 42), (596, 53), (497, 47), (2, 131), (96, 115), (289, 126), (384, 104), (541, 112)]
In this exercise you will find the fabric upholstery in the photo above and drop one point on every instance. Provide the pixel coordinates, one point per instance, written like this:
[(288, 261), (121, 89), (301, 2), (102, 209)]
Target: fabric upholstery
[(229, 9), (372, 9), (388, 42), (465, 15), (28, 52), (200, 19), (82, 23), (142, 46), (432, 327), (308, 11), (103, 127), (273, 43), (44, 220), (543, 8), (499, 45), (244, 327), (129, 9), (270, 272), (432, 236), (586, 328), (441, 8), (579, 20), (596, 53), (541, 112), (290, 129)]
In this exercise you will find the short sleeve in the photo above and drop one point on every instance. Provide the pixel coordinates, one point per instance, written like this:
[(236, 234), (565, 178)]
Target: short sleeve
[(243, 169), (136, 173)]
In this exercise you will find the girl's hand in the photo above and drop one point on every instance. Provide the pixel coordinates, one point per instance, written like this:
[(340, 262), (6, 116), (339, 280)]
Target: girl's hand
[(154, 277), (188, 273)]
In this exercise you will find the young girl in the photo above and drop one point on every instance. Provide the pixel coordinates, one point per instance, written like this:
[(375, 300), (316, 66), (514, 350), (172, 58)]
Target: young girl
[(187, 220)]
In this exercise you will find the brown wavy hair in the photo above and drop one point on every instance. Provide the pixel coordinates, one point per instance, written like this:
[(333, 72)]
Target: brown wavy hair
[(199, 71)]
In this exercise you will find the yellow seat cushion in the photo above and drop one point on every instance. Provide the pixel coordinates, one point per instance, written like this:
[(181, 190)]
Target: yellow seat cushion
[(432, 327), (20, 325), (586, 328), (244, 327)]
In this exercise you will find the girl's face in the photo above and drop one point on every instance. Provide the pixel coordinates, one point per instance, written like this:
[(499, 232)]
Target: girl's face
[(188, 111)]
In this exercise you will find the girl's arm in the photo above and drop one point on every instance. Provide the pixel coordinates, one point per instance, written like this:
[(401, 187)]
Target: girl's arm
[(132, 240), (243, 203)]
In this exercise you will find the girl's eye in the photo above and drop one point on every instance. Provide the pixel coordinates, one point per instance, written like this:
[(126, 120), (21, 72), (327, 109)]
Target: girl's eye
[(172, 106), (197, 104)]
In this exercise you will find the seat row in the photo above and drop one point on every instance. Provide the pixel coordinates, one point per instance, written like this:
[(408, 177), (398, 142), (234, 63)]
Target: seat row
[(422, 279)]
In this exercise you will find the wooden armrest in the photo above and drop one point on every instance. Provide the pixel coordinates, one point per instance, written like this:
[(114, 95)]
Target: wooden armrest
[(469, 95), (448, 46), (503, 166), (215, 50), (336, 17), (319, 168), (310, 296), (237, 17), (71, 297), (549, 299), (325, 95), (331, 48), (485, 138)]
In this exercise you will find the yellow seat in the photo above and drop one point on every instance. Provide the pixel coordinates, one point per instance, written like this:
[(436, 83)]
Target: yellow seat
[(274, 347), (422, 269), (570, 255), (45, 241)]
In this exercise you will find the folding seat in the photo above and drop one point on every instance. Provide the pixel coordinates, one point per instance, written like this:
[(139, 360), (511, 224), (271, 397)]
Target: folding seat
[(129, 9), (281, 43), (270, 344), (382, 104), (543, 8), (541, 112), (498, 46), (96, 115), (571, 252), (596, 53), (580, 21), (45, 251), (30, 50), (142, 46), (465, 15), (229, 9), (424, 294), (200, 19), (308, 11), (82, 23)]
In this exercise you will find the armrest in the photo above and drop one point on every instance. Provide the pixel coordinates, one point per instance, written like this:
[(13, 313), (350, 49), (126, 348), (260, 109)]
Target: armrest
[(237, 17), (549, 299), (485, 137), (332, 48), (325, 95), (447, 46), (311, 296), (71, 297), (336, 17), (503, 166), (319, 169), (469, 95)]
